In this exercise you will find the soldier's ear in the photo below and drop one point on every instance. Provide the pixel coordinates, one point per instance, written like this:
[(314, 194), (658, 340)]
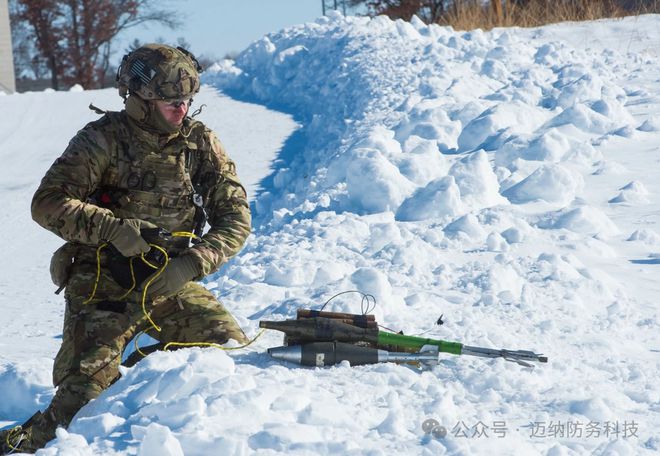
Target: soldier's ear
[(137, 108)]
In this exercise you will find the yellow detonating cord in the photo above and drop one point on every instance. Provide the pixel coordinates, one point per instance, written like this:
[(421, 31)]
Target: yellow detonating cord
[(10, 435), (98, 272), (160, 269), (211, 344)]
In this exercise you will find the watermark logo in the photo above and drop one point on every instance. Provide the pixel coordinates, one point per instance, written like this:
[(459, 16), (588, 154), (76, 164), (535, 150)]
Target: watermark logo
[(432, 427), (535, 429)]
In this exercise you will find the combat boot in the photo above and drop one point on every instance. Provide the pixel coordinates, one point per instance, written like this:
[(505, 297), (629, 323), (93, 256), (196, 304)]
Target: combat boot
[(19, 438)]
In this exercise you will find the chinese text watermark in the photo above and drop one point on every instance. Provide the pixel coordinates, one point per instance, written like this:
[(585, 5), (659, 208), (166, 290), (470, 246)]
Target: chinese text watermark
[(574, 429)]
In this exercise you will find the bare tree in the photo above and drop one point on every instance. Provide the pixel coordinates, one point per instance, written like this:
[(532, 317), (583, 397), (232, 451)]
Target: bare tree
[(37, 19), (27, 61), (74, 37), (427, 10)]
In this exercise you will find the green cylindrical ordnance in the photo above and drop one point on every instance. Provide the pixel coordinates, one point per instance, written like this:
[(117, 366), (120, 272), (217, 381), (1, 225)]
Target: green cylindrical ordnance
[(416, 343), (322, 330)]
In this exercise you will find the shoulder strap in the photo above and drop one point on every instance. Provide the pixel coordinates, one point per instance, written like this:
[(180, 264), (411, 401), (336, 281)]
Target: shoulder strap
[(195, 166)]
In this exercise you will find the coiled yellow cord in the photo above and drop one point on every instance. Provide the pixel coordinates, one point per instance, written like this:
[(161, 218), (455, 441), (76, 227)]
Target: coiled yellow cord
[(135, 343), (8, 440), (160, 269), (133, 283), (151, 279), (187, 234), (144, 259), (98, 272)]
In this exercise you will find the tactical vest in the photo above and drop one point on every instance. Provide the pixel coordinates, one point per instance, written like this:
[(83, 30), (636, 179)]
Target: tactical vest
[(155, 178)]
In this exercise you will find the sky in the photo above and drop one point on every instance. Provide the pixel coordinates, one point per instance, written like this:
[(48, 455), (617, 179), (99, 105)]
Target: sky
[(217, 27)]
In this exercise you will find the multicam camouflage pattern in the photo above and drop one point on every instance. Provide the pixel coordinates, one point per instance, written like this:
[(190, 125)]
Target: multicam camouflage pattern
[(159, 72), (112, 168), (96, 334), (146, 176)]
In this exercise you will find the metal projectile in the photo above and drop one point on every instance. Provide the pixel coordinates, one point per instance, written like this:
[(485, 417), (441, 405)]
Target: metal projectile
[(322, 354), (291, 353), (520, 357)]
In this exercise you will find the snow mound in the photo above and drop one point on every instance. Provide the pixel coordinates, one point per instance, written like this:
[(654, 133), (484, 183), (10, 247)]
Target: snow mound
[(632, 193), (650, 124), (645, 235), (152, 402), (439, 198), (504, 120), (587, 220), (551, 183)]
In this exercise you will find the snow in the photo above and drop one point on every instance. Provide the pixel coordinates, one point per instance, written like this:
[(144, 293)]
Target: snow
[(507, 180)]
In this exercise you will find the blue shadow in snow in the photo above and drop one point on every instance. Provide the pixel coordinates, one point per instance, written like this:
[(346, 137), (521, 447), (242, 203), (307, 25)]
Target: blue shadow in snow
[(294, 145), (647, 261)]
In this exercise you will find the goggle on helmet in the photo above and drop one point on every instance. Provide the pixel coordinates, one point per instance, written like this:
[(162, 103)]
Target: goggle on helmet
[(159, 72)]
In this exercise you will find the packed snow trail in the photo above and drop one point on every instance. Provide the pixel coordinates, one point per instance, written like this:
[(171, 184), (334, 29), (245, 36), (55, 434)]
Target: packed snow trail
[(508, 180)]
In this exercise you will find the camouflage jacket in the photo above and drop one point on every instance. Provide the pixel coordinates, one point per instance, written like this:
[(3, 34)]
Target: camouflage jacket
[(112, 166)]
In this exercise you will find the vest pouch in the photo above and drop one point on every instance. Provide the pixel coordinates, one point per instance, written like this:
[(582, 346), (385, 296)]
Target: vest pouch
[(60, 264)]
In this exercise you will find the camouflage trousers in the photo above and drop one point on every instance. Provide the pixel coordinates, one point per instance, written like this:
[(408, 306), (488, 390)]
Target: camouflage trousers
[(95, 335)]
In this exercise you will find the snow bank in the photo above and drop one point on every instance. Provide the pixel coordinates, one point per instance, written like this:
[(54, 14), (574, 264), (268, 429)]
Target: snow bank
[(378, 121)]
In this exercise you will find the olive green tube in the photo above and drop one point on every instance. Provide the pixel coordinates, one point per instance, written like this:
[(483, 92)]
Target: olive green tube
[(416, 343)]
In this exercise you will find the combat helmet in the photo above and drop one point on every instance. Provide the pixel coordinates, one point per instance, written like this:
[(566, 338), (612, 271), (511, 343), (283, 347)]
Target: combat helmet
[(159, 72)]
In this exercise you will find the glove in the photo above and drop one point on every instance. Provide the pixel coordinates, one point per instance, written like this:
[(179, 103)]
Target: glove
[(124, 235), (176, 274)]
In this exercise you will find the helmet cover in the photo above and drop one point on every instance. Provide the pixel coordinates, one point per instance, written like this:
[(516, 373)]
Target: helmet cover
[(159, 72)]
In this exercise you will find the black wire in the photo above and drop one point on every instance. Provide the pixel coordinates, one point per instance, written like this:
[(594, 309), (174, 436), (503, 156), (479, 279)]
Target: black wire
[(365, 299), (390, 329), (368, 303), (198, 111)]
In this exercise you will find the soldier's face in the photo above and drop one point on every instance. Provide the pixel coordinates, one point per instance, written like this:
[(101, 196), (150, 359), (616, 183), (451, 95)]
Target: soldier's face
[(175, 112)]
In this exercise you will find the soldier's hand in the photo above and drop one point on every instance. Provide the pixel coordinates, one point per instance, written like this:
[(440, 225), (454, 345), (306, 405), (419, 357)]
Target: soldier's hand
[(176, 274), (124, 235)]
